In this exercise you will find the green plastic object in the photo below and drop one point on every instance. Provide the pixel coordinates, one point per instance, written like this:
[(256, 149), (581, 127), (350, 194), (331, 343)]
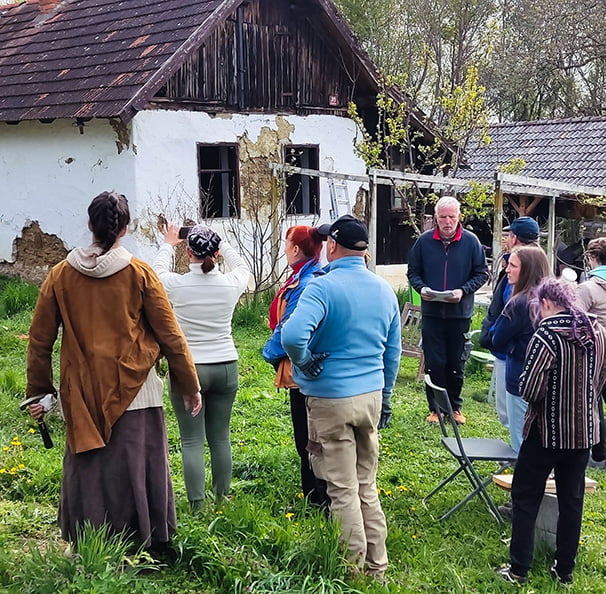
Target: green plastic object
[(413, 297)]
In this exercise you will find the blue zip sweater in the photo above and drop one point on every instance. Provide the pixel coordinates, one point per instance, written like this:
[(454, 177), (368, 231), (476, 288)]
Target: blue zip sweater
[(273, 351), (353, 315), (459, 265)]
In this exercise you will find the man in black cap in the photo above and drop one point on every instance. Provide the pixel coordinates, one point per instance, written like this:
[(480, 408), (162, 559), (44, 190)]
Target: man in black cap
[(343, 339)]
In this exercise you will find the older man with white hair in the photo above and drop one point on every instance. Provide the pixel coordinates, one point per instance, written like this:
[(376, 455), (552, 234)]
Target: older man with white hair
[(446, 265)]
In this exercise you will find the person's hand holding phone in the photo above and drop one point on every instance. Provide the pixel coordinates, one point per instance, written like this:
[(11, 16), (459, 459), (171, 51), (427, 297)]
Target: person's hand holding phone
[(170, 232)]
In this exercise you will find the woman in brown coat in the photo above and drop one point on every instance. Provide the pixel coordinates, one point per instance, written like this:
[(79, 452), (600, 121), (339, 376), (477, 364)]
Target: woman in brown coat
[(116, 322)]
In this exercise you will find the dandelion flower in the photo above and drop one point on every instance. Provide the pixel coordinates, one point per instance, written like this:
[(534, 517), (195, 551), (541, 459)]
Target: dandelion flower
[(289, 515), (21, 466), (300, 495), (2, 470), (5, 448), (32, 430)]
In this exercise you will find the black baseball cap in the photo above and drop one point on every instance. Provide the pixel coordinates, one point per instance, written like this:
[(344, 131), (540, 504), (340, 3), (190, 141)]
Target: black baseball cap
[(347, 231)]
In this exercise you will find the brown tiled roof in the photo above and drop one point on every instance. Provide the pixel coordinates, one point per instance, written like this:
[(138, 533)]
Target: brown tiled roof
[(572, 151), (95, 58)]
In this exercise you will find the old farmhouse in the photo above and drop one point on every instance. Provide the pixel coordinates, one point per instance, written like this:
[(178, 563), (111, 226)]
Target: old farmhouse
[(180, 105)]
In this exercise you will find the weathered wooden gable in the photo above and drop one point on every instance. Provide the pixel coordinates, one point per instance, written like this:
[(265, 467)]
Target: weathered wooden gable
[(271, 55)]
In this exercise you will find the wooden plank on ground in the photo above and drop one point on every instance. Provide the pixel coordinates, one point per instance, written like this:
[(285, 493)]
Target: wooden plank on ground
[(504, 481)]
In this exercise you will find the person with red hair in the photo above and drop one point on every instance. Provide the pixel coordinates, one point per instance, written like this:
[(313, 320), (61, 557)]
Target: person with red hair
[(302, 250)]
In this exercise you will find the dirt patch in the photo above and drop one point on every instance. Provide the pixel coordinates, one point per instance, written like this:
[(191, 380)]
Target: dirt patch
[(34, 253)]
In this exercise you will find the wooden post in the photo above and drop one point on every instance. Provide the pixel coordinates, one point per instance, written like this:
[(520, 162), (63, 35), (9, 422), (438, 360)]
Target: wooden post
[(551, 255), (497, 223), (372, 223)]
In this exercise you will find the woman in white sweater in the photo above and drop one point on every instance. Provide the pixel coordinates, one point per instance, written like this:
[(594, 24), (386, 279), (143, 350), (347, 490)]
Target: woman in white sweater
[(204, 300)]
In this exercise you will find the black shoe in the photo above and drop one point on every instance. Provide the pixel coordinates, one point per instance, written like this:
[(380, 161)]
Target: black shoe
[(565, 578), (506, 510), (509, 576)]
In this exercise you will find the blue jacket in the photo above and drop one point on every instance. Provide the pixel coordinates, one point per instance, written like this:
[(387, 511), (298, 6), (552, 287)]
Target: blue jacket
[(273, 351), (511, 334), (353, 315), (460, 265)]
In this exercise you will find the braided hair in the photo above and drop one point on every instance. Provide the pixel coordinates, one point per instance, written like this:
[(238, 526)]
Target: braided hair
[(108, 216), (562, 294)]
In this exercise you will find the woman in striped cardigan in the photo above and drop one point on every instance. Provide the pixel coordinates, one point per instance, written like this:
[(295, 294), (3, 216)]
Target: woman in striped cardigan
[(562, 378)]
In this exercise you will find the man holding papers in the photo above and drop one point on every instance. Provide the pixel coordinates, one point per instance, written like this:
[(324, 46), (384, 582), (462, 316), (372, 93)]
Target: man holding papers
[(446, 265)]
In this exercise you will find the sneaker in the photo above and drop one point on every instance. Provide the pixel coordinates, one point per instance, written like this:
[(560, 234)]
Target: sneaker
[(506, 510), (457, 415), (565, 578), (509, 576), (432, 418)]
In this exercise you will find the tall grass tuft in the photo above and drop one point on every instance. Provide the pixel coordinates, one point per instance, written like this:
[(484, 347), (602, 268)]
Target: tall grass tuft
[(252, 310), (16, 297), (101, 564)]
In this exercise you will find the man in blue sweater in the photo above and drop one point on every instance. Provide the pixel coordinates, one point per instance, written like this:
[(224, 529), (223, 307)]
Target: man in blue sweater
[(449, 260), (343, 339)]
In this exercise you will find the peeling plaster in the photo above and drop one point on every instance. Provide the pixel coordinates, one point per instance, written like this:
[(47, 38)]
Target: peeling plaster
[(122, 135), (257, 182), (34, 253)]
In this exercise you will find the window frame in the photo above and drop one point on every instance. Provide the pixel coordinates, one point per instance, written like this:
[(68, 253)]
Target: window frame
[(230, 206), (309, 186)]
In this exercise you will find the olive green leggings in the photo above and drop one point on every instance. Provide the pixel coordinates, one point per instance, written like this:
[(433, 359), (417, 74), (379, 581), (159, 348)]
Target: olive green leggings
[(219, 382)]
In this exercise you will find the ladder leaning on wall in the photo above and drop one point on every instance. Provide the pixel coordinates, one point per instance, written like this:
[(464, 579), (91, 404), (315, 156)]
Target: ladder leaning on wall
[(339, 199)]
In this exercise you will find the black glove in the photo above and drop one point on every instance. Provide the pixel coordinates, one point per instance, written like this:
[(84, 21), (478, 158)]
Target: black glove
[(385, 417), (312, 368)]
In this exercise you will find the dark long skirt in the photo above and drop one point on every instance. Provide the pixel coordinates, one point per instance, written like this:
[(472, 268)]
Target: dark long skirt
[(125, 485)]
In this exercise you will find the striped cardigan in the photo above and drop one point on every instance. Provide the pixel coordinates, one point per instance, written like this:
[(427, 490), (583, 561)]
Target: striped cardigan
[(561, 382)]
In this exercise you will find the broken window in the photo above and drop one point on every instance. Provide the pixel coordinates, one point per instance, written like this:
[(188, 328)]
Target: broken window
[(218, 174), (302, 192)]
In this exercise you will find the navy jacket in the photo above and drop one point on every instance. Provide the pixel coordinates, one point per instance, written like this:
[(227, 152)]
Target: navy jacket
[(511, 334), (460, 265)]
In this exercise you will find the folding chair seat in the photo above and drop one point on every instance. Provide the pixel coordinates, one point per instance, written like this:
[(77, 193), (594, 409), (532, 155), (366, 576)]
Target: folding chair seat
[(466, 451)]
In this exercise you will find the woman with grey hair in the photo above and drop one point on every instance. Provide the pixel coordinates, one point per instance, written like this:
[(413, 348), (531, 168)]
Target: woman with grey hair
[(204, 300)]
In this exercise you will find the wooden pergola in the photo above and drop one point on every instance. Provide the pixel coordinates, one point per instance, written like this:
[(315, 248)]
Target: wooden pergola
[(530, 191)]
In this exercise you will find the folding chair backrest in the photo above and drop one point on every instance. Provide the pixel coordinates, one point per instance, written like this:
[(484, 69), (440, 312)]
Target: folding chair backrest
[(440, 396)]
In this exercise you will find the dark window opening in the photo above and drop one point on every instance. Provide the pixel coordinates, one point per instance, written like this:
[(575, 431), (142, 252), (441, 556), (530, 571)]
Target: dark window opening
[(302, 192), (218, 174)]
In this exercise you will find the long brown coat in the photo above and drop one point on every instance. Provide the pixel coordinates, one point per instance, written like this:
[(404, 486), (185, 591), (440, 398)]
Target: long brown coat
[(114, 329)]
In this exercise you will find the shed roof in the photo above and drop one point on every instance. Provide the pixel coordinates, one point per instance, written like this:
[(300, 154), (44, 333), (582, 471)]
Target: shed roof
[(572, 151)]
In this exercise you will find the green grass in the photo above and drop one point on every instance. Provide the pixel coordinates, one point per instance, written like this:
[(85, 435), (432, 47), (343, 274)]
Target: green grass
[(266, 539)]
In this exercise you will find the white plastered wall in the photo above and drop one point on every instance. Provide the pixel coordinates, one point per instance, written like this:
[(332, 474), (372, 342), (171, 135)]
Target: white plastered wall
[(167, 158), (50, 172)]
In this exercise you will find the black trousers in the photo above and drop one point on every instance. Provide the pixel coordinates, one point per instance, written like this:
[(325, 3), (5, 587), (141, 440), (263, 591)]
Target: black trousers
[(314, 489), (532, 470), (444, 349), (598, 451)]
